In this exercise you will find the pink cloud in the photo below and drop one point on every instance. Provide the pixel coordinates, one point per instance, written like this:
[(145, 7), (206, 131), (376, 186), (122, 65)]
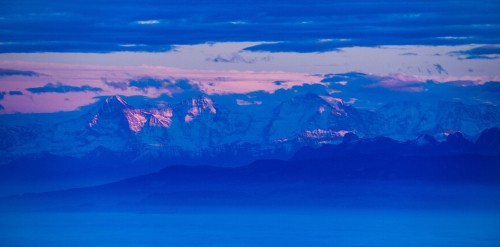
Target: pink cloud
[(398, 82), (209, 81)]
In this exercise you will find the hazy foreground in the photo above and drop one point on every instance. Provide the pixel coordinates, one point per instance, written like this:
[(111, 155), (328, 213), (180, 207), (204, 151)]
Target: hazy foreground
[(254, 228)]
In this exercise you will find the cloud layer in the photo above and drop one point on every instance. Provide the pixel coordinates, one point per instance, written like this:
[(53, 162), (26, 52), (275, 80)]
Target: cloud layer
[(301, 26)]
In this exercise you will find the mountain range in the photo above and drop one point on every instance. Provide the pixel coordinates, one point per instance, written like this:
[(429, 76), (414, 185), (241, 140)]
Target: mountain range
[(200, 127), (425, 157), (119, 137)]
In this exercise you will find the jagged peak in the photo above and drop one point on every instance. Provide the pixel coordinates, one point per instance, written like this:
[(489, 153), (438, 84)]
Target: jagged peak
[(116, 99), (113, 104), (195, 99), (114, 107), (202, 101), (198, 105)]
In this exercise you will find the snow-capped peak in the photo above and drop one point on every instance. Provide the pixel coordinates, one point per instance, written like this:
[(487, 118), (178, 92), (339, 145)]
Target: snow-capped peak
[(322, 104), (113, 107), (333, 100), (116, 100), (198, 106), (116, 111)]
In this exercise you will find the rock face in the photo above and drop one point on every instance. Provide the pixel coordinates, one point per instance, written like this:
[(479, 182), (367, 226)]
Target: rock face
[(200, 127), (116, 114)]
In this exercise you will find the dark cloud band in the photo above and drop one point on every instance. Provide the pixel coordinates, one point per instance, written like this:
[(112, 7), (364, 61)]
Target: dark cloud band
[(481, 52), (61, 88), (106, 26), (13, 72)]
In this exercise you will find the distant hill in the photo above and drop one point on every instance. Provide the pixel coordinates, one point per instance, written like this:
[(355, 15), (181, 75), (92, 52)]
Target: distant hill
[(378, 172)]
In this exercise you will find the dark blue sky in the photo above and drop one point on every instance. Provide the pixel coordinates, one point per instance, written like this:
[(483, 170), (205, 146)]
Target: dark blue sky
[(106, 26)]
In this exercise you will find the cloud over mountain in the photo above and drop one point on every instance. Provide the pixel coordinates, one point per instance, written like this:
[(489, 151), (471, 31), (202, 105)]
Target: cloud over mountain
[(146, 83), (61, 88), (371, 90)]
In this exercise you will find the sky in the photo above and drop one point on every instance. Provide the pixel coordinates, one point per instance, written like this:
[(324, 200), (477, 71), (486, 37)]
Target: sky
[(62, 55)]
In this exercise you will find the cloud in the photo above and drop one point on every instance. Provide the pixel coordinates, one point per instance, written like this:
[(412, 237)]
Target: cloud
[(370, 90), (116, 85), (2, 108), (60, 88), (374, 90), (365, 23), (2, 95), (80, 46), (482, 57), (16, 93), (480, 52), (13, 72), (300, 47), (148, 22), (145, 83), (185, 84), (377, 37), (484, 50), (233, 58), (409, 54)]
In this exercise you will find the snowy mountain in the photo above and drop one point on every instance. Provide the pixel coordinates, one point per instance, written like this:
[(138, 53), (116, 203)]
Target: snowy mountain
[(311, 119), (403, 120), (200, 127)]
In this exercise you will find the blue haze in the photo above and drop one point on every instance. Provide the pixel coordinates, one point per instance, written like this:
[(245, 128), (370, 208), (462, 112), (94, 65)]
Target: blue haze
[(254, 228)]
